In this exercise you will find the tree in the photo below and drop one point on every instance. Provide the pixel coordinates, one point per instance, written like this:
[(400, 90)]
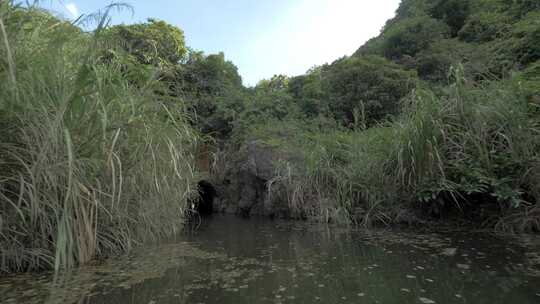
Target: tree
[(485, 27), (212, 89), (154, 43), (308, 93), (208, 74), (452, 12), (369, 86), (275, 84), (410, 36)]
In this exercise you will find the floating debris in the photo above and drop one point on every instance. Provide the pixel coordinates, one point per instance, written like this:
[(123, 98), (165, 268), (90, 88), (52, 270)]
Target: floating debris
[(427, 301), (449, 251), (464, 266)]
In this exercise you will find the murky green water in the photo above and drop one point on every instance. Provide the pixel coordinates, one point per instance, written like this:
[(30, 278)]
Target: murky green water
[(231, 260)]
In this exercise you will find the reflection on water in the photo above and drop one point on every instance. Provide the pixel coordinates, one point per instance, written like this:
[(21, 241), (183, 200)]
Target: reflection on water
[(231, 260)]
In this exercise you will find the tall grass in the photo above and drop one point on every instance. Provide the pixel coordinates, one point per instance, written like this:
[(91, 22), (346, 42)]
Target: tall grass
[(330, 175), (475, 147), (90, 163), (472, 148)]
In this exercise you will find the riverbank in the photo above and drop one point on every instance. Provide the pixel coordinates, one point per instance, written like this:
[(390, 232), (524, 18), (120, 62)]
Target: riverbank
[(468, 152)]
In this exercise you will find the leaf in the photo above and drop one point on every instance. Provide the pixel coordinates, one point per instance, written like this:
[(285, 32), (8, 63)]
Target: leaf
[(464, 266), (449, 251)]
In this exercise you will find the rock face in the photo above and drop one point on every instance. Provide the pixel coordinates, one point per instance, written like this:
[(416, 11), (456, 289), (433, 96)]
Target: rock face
[(244, 188)]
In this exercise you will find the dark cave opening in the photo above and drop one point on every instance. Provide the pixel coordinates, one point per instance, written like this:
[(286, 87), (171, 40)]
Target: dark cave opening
[(207, 193)]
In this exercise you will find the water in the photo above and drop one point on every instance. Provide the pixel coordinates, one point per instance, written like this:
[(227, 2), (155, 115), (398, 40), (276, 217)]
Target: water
[(232, 260)]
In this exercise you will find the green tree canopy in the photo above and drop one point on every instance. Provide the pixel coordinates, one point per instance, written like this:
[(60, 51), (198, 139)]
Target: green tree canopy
[(154, 42), (213, 90), (410, 36), (369, 86), (452, 12)]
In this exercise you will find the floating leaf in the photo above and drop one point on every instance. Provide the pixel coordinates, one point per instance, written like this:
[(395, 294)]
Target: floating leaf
[(410, 276), (449, 251), (464, 266)]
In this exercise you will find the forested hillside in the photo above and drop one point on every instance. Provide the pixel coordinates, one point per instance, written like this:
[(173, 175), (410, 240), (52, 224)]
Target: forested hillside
[(436, 118)]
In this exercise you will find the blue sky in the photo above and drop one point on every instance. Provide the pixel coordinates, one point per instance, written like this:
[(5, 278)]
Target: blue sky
[(261, 37)]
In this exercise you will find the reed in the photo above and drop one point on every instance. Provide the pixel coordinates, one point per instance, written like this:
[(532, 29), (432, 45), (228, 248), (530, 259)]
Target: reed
[(90, 163), (472, 148)]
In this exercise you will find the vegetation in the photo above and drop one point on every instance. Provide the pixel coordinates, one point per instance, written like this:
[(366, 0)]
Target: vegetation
[(438, 116), (90, 163)]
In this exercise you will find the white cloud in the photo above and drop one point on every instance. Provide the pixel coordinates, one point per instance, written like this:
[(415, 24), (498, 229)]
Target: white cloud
[(72, 9)]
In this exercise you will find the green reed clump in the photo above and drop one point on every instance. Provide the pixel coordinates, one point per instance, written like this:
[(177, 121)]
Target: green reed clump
[(475, 147), (332, 175), (90, 162), (472, 148)]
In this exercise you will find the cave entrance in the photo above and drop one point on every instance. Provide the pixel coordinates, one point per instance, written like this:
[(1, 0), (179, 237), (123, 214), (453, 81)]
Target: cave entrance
[(207, 193)]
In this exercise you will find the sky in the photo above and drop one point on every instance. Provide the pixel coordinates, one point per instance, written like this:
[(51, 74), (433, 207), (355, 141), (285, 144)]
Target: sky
[(261, 37)]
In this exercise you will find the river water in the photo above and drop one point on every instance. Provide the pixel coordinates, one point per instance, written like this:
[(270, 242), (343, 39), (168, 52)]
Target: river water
[(231, 260)]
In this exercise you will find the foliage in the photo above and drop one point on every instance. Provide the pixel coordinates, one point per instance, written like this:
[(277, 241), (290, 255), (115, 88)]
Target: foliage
[(463, 142), (155, 42), (410, 36), (528, 82), (469, 149), (453, 12), (213, 91), (499, 35), (308, 93), (90, 165), (364, 90), (99, 128), (485, 26), (526, 38)]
